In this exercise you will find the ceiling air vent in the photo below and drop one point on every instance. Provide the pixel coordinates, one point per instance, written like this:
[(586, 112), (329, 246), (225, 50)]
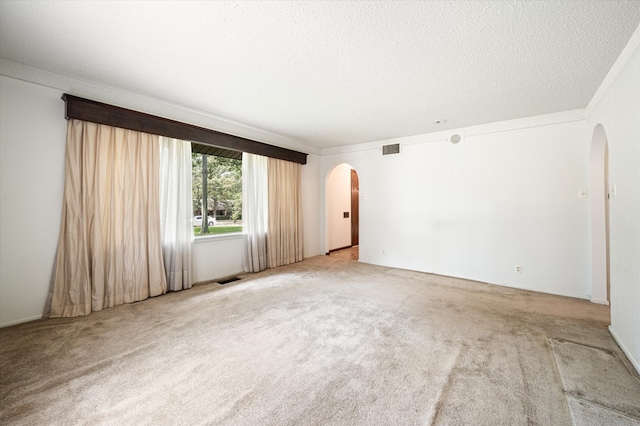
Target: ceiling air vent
[(391, 149)]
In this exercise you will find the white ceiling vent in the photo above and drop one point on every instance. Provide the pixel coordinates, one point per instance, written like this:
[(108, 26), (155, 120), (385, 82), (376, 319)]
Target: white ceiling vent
[(391, 149)]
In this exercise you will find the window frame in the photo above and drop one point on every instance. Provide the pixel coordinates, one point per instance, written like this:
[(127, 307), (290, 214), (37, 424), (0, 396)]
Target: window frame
[(199, 236)]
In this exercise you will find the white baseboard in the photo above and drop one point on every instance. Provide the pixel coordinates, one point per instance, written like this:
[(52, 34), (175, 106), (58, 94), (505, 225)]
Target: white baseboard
[(600, 301), (20, 320), (625, 349), (540, 290)]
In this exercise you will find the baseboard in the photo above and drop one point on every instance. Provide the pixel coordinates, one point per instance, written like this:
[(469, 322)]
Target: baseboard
[(625, 349), (19, 321), (554, 292), (537, 289), (600, 301), (526, 288)]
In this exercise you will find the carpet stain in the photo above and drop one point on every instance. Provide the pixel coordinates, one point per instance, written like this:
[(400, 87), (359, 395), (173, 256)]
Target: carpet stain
[(594, 376)]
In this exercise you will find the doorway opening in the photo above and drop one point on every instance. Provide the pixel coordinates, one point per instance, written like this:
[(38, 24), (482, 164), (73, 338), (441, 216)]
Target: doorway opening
[(343, 212), (600, 194)]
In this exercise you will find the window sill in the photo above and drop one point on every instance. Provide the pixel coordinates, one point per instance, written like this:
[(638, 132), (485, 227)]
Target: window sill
[(218, 237)]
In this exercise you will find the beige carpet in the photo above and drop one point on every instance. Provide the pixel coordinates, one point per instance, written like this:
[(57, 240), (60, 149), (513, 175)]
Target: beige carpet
[(323, 342)]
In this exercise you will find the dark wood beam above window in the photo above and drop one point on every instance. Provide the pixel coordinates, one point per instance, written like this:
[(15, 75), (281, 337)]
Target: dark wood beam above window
[(214, 150), (97, 112)]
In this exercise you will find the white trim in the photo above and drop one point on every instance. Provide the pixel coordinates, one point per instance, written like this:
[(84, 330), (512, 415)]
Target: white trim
[(546, 291), (530, 288), (146, 104), (20, 320), (526, 288), (481, 129), (600, 301), (217, 237), (618, 66), (625, 349)]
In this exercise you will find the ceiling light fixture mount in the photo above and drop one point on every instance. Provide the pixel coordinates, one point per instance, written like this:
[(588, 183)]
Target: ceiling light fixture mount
[(456, 138)]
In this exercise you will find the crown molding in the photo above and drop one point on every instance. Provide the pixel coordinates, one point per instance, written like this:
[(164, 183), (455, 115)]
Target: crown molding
[(629, 50), (161, 108)]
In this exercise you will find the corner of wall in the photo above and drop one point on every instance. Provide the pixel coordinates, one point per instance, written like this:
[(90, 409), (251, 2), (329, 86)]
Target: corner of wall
[(618, 66), (625, 349)]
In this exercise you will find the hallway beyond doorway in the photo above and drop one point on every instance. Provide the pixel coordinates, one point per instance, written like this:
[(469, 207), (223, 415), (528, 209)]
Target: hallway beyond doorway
[(349, 253)]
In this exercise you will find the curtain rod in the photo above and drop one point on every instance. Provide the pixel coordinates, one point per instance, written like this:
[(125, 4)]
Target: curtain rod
[(98, 112)]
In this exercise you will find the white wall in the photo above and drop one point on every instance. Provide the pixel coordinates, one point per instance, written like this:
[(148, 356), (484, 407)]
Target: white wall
[(217, 257), (311, 206), (507, 195), (32, 145), (338, 199), (616, 107)]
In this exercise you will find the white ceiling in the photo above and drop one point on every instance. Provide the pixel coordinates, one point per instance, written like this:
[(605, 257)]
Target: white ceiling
[(332, 73)]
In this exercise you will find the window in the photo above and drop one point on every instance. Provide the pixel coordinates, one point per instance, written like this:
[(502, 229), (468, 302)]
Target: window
[(217, 190)]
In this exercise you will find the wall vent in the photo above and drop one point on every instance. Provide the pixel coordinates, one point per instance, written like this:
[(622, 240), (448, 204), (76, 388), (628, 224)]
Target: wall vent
[(391, 149)]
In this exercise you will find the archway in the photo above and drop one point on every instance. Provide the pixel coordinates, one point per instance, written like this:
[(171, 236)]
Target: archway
[(342, 210), (599, 183)]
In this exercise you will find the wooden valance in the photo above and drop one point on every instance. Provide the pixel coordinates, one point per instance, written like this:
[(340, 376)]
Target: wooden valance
[(97, 112)]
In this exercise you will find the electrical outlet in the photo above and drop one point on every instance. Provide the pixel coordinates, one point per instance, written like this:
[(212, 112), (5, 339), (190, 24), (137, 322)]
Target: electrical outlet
[(518, 269)]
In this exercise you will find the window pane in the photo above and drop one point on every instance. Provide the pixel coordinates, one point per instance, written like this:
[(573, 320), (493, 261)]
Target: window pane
[(217, 188)]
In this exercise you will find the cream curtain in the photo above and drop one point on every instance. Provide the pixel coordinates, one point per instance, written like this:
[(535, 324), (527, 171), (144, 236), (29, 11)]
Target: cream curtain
[(284, 241), (175, 212), (254, 212), (110, 247)]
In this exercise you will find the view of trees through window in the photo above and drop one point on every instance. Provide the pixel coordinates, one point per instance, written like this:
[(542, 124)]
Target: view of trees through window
[(217, 190)]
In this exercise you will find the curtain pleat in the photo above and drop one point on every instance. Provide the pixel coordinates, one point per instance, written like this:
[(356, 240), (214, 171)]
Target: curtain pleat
[(110, 247), (175, 212), (284, 241), (254, 212)]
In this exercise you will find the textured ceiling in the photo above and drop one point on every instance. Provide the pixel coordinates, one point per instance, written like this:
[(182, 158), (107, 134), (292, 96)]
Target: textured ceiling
[(332, 73)]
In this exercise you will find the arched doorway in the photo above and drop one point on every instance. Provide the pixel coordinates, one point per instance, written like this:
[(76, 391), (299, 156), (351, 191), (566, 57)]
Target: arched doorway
[(600, 193), (343, 211)]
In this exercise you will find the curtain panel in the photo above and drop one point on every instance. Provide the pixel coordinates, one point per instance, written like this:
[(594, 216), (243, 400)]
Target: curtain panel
[(271, 212), (175, 212), (254, 212), (110, 245), (284, 235)]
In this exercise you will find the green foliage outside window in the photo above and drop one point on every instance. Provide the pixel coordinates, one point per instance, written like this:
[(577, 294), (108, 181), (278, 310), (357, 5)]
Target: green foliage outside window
[(224, 188)]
